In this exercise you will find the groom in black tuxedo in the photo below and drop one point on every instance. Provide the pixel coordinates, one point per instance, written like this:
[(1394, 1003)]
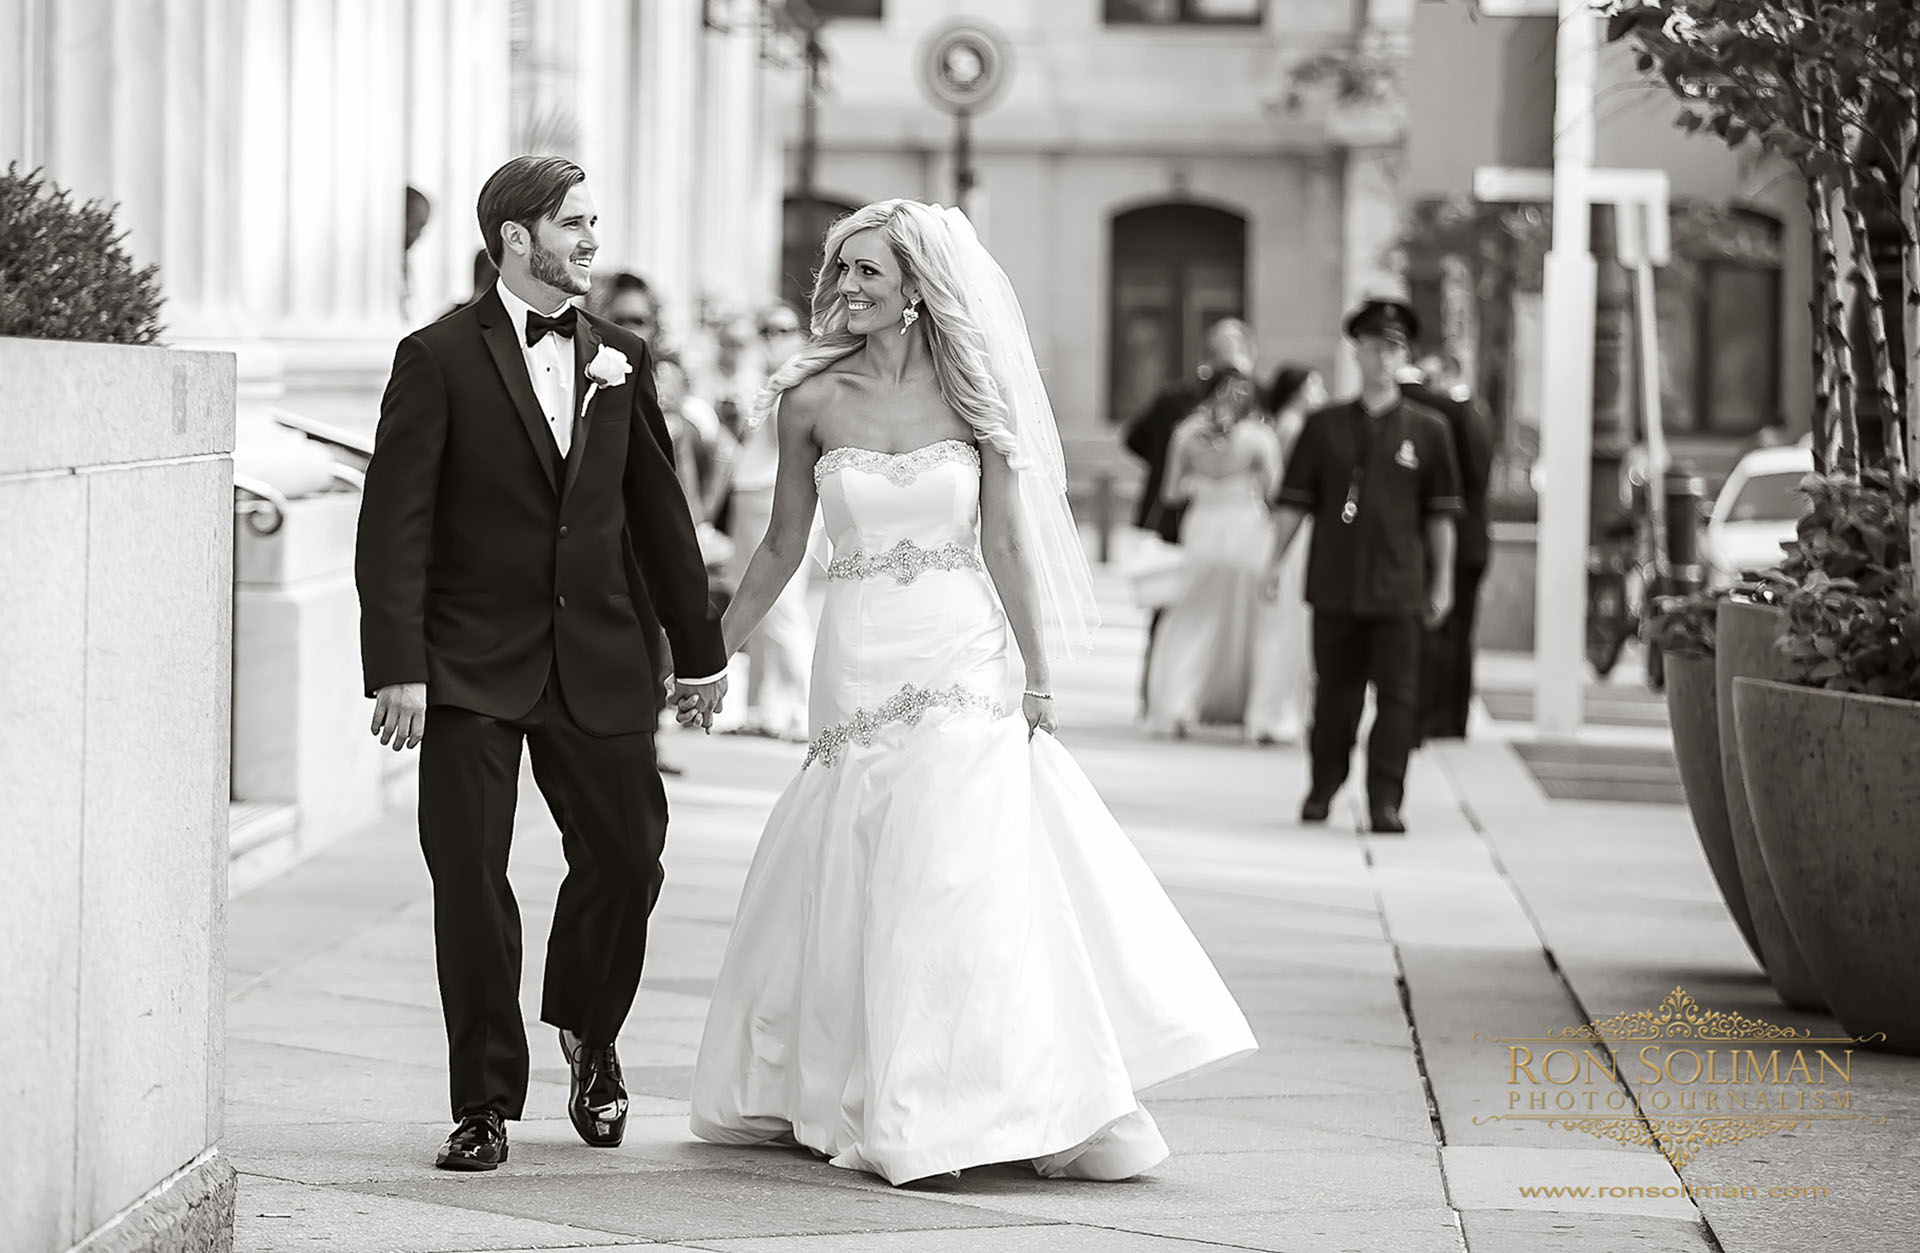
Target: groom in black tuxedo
[(520, 453)]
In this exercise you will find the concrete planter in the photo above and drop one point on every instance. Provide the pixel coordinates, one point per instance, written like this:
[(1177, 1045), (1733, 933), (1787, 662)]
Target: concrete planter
[(1744, 636), (1693, 715), (116, 498), (1834, 780)]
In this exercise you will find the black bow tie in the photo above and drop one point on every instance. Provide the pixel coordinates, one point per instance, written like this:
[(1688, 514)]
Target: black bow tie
[(539, 325)]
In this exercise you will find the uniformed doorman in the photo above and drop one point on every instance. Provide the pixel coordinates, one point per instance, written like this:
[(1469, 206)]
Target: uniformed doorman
[(1377, 476)]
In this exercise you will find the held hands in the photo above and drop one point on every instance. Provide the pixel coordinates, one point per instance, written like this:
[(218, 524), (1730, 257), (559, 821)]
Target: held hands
[(1038, 709), (400, 714), (1439, 603), (698, 702)]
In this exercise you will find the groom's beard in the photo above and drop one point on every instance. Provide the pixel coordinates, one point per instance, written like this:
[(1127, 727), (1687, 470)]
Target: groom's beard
[(552, 269)]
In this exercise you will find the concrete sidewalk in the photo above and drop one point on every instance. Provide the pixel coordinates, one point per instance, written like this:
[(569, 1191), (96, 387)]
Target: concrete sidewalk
[(1366, 966)]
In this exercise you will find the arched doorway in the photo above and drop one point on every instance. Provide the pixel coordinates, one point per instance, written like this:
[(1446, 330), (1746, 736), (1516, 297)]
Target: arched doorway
[(804, 225), (1177, 269)]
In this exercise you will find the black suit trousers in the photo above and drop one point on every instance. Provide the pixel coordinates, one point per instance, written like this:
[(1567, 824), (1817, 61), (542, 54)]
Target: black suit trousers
[(1446, 662), (1349, 652), (605, 794)]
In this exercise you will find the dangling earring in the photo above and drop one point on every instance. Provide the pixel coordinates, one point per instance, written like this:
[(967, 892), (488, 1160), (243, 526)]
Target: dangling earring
[(908, 316)]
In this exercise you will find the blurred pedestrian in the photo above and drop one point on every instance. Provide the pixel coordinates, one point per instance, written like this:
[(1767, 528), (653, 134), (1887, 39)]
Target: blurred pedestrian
[(485, 275), (1150, 433), (780, 650), (627, 299), (1223, 465), (1377, 477), (1446, 659), (1283, 656)]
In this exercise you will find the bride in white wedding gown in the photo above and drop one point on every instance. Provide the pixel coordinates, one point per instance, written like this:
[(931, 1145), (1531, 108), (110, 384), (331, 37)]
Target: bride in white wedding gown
[(947, 953)]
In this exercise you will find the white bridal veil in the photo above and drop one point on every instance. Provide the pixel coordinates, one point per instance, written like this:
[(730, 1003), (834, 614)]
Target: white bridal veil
[(1067, 613)]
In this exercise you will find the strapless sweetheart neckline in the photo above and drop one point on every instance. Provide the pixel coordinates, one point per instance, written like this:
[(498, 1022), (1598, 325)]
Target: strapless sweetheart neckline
[(880, 452)]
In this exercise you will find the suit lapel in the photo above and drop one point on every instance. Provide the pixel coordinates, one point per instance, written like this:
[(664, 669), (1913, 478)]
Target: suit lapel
[(585, 344), (497, 328)]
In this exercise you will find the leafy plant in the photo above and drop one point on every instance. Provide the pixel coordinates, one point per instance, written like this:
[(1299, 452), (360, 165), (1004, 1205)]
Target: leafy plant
[(63, 273), (1848, 635), (1852, 618), (1682, 626)]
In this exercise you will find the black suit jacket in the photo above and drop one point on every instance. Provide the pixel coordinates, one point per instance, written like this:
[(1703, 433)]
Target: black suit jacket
[(485, 562), (1473, 453)]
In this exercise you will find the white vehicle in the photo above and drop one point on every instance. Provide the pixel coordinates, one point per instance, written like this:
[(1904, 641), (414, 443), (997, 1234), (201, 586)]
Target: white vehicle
[(1756, 512)]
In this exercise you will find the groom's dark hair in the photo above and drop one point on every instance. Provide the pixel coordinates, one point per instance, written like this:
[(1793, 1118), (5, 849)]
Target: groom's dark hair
[(524, 190)]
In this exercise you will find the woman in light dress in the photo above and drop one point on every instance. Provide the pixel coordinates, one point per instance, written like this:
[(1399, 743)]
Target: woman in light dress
[(1282, 686), (1224, 466), (777, 652), (947, 953)]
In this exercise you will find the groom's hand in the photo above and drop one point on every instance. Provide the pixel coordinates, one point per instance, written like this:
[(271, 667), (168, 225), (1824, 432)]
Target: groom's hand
[(400, 714), (698, 702)]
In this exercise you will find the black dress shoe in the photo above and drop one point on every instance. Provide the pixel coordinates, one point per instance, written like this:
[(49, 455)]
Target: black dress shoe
[(1313, 809), (597, 1102), (478, 1143), (1386, 821)]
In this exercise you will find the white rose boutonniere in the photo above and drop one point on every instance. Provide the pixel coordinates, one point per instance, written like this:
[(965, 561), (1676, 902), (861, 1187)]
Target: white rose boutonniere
[(609, 368)]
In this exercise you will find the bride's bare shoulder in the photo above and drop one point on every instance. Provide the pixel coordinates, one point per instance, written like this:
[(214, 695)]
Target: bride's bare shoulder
[(819, 392)]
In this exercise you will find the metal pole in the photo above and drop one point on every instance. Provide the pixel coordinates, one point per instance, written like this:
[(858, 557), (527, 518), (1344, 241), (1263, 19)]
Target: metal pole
[(810, 115), (1566, 423), (1651, 416), (962, 157)]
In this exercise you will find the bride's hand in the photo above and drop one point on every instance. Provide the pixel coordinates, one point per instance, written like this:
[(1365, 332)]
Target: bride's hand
[(1039, 714)]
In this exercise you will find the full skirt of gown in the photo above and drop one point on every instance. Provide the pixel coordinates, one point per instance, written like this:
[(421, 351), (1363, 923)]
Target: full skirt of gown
[(947, 953), (1201, 666), (1280, 692)]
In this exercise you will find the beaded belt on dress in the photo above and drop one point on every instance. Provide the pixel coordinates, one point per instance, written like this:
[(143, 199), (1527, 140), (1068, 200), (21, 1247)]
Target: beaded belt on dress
[(905, 561)]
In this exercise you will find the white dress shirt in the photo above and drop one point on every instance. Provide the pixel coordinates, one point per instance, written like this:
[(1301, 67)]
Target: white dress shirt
[(549, 367)]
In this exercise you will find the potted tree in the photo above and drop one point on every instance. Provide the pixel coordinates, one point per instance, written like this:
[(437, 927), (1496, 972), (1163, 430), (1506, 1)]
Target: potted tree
[(1834, 89), (1832, 762)]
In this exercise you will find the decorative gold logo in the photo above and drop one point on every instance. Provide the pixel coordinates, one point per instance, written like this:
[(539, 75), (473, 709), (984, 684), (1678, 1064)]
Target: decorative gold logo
[(1684, 1098)]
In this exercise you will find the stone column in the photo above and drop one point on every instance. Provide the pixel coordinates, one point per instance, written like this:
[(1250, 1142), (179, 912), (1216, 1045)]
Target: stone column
[(323, 143), (133, 103), (459, 93), (730, 107), (668, 69)]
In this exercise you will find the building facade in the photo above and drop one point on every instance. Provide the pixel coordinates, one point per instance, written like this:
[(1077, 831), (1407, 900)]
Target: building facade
[(1732, 327), (1146, 170), (304, 172)]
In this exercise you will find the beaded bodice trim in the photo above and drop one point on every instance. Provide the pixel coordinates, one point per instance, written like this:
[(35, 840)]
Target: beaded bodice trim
[(904, 562), (907, 705), (900, 468)]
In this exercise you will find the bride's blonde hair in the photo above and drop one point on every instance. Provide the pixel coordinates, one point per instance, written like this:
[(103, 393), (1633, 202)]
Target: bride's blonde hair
[(922, 244)]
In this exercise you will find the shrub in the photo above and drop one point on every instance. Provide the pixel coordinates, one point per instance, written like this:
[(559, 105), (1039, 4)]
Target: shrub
[(63, 273), (1683, 625), (1852, 614)]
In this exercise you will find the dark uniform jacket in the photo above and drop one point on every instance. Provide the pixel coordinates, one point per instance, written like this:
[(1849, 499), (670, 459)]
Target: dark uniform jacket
[(1397, 469), (1473, 452), (486, 561)]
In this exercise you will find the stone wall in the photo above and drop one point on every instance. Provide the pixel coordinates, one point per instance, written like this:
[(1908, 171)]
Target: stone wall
[(116, 538)]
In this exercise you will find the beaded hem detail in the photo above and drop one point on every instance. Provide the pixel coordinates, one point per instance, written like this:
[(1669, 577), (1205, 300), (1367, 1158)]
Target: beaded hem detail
[(899, 468), (904, 562), (907, 705)]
